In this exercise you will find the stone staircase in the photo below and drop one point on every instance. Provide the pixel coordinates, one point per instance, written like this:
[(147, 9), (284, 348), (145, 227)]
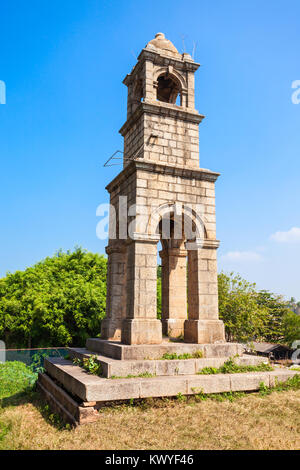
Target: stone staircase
[(137, 372)]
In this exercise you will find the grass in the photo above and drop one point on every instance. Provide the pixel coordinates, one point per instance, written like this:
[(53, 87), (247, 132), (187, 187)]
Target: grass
[(247, 422), (173, 356), (15, 377), (230, 367), (269, 419)]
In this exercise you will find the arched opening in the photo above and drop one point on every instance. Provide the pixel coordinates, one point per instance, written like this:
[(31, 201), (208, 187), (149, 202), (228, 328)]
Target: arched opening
[(180, 232), (168, 89), (172, 277)]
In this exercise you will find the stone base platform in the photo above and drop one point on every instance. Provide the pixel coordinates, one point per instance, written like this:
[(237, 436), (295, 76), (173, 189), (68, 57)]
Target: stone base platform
[(77, 396), (137, 372)]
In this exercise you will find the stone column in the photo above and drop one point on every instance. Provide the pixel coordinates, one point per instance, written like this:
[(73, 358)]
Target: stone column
[(174, 291), (191, 90), (111, 325), (141, 325), (203, 324), (149, 90)]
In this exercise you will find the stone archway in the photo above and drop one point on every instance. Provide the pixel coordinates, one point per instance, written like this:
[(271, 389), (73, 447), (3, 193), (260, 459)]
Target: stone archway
[(178, 234)]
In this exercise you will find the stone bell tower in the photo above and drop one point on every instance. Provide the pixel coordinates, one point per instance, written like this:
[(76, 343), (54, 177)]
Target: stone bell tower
[(161, 196), (161, 171)]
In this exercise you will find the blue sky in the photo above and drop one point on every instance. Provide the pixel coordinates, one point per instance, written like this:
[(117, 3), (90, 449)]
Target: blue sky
[(63, 64)]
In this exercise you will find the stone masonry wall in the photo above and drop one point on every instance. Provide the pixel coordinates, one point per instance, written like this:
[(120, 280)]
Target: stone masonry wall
[(165, 139), (174, 142)]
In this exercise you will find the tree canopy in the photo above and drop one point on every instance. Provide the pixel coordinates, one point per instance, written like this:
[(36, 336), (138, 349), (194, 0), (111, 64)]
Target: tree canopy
[(58, 301), (252, 315)]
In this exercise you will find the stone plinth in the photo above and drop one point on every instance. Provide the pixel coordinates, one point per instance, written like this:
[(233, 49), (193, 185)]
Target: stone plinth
[(141, 331), (160, 367), (117, 350), (204, 331)]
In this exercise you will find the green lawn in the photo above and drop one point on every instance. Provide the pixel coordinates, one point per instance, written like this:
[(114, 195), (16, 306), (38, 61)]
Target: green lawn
[(15, 377)]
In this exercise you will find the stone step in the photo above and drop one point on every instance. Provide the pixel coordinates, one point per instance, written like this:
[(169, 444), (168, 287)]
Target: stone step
[(90, 388), (166, 367), (116, 350), (62, 403)]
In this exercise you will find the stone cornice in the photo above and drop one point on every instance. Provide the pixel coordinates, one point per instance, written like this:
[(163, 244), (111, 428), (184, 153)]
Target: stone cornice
[(205, 243), (161, 109), (143, 238), (181, 62), (144, 165)]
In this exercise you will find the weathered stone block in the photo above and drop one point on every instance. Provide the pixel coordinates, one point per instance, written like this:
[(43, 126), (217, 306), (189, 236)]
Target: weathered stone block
[(160, 387), (141, 331), (173, 327), (204, 331), (209, 384), (175, 367), (249, 381)]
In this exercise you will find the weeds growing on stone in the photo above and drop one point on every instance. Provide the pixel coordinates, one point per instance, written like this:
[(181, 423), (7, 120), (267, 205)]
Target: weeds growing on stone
[(53, 418), (90, 365), (293, 383), (230, 367), (174, 356), (225, 396)]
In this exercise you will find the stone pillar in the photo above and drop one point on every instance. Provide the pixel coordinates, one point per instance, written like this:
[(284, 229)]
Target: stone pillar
[(111, 325), (149, 90), (203, 324), (191, 90), (174, 291), (141, 325)]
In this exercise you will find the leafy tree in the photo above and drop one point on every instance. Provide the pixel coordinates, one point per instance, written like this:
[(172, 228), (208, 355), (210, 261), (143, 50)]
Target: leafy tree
[(291, 327), (277, 309), (59, 301), (244, 318), (251, 315)]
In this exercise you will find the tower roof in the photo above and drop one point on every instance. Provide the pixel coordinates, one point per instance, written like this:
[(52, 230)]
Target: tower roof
[(160, 42)]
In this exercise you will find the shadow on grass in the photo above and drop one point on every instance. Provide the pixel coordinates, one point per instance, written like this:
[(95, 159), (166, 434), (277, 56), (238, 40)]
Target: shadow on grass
[(32, 396), (17, 399)]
